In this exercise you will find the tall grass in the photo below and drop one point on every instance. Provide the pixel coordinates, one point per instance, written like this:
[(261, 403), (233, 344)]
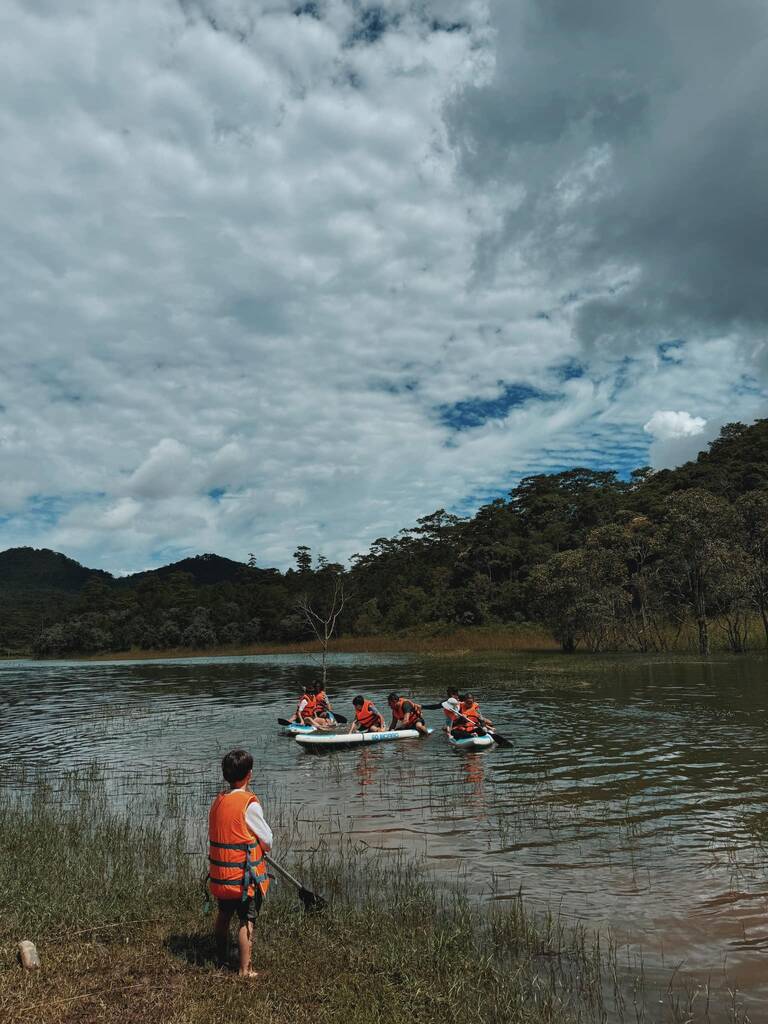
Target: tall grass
[(105, 876)]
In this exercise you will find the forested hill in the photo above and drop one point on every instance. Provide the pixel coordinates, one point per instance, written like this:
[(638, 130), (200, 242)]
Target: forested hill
[(601, 561)]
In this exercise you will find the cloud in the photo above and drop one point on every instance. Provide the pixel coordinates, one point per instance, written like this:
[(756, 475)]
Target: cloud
[(665, 424), (677, 437), (283, 273), (634, 136)]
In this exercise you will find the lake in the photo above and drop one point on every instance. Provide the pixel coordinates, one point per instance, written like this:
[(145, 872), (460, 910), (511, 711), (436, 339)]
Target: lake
[(634, 799)]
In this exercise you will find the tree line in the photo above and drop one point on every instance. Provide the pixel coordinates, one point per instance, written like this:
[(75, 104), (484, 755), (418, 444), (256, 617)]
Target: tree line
[(602, 562)]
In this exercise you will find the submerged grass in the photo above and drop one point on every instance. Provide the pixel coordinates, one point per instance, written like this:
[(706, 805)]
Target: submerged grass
[(105, 875), (113, 901)]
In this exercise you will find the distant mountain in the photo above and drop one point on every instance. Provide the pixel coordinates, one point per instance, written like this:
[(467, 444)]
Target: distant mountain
[(204, 569), (41, 569)]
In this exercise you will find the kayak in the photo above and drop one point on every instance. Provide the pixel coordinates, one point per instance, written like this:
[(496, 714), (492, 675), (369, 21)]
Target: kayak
[(468, 742), (329, 741), (295, 729)]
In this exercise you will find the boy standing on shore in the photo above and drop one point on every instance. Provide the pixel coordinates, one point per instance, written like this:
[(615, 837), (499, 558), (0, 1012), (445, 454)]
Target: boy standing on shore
[(238, 838)]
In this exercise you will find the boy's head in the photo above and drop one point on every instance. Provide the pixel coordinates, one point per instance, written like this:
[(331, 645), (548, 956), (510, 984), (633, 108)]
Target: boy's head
[(236, 765), (452, 691), (358, 701), (393, 698), (317, 688), (467, 699)]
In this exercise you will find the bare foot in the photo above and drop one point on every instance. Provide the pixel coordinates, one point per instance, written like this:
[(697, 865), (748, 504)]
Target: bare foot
[(251, 974)]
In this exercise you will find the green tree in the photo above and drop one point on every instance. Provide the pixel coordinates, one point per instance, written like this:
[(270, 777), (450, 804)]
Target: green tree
[(699, 528), (752, 513), (303, 557)]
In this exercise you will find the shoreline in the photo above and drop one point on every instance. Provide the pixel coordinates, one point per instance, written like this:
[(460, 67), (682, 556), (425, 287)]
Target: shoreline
[(522, 639)]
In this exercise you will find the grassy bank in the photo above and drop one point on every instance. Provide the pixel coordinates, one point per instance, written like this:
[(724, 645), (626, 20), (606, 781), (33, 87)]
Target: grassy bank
[(448, 641), (428, 640), (113, 902)]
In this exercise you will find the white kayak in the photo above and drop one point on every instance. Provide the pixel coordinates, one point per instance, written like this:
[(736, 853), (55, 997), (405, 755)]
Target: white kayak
[(329, 740), (470, 742)]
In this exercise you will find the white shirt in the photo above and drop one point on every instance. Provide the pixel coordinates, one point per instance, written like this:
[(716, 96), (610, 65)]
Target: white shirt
[(452, 704), (254, 819)]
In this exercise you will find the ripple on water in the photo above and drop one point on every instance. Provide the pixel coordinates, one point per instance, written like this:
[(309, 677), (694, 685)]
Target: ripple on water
[(635, 796)]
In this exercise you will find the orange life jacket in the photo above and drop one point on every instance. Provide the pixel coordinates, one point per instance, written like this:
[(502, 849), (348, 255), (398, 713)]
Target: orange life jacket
[(310, 708), (473, 714), (321, 703), (451, 715), (367, 715), (409, 717), (235, 855)]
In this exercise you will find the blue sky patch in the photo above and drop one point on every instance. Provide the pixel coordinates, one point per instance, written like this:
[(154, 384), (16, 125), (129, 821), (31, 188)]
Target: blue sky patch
[(309, 10), (474, 412), (371, 26), (671, 351), (395, 387), (570, 370), (449, 26)]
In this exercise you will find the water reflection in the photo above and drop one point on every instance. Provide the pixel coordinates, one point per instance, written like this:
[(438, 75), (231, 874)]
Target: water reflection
[(635, 797)]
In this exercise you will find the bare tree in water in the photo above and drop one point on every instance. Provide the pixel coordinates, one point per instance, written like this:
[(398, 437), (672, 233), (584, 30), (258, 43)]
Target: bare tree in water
[(322, 614)]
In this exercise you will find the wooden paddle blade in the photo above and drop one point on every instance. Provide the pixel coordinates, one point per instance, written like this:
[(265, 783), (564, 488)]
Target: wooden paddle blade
[(312, 902)]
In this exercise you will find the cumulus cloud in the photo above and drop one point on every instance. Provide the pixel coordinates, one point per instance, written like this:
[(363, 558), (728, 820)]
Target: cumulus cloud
[(280, 273), (677, 437), (666, 424)]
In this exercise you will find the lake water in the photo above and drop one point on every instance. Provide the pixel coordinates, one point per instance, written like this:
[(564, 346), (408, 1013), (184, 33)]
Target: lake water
[(634, 800)]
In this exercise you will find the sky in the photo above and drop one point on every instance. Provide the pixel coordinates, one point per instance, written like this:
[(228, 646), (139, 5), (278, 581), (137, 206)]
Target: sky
[(279, 273)]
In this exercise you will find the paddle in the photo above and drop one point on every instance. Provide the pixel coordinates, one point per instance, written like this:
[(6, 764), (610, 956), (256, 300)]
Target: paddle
[(312, 902), (482, 731)]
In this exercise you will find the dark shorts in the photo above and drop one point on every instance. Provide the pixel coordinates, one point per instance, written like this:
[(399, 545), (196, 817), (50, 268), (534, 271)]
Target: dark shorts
[(246, 910)]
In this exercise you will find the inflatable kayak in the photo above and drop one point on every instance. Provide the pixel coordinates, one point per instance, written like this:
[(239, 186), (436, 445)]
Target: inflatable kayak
[(470, 742), (329, 741), (295, 729)]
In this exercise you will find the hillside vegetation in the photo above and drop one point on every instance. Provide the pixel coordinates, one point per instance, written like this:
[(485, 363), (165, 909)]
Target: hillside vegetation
[(600, 562)]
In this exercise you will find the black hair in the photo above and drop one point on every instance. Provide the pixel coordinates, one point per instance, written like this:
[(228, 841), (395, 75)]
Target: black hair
[(235, 765), (358, 701), (452, 691), (393, 696)]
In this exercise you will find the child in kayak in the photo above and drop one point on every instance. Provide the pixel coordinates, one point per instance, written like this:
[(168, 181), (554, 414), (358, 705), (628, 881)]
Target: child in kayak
[(406, 714), (451, 708), (367, 718), (323, 709), (469, 722), (310, 710), (238, 839)]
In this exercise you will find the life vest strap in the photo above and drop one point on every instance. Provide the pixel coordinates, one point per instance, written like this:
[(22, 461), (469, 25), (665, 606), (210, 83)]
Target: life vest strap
[(232, 846)]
